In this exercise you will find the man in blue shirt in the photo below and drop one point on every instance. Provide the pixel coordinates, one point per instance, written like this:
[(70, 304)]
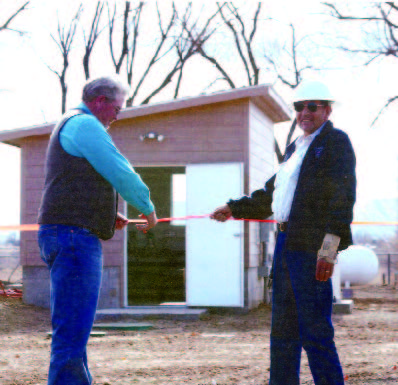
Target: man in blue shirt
[(84, 174)]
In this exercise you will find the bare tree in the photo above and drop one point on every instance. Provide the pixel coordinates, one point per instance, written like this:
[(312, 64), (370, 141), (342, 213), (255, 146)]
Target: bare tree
[(185, 49), (64, 40), (383, 43), (243, 42), (191, 30), (160, 51), (129, 47), (171, 41), (191, 40), (92, 38), (287, 66), (7, 24), (385, 34), (118, 62), (135, 23)]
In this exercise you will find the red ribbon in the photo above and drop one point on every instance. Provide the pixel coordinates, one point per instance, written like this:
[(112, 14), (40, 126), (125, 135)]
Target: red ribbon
[(35, 227)]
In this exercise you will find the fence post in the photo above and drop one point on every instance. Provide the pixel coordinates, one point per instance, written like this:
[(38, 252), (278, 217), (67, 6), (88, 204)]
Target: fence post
[(389, 269)]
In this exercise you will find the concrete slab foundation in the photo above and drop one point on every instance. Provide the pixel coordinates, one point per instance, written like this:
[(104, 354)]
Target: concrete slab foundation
[(123, 326), (92, 334), (344, 306), (139, 312)]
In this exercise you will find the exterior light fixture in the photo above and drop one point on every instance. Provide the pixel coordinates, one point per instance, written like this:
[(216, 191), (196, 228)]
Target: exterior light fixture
[(151, 137)]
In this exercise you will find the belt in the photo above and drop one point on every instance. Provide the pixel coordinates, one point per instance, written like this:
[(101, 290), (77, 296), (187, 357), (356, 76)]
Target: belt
[(282, 226)]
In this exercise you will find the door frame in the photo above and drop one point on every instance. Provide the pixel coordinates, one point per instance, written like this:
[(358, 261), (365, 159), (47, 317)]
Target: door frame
[(124, 274), (125, 246)]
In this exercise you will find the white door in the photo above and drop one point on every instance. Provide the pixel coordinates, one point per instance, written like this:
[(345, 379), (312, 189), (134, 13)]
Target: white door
[(214, 251)]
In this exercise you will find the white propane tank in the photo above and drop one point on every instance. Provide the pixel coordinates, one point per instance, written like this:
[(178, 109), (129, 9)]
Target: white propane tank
[(359, 265), (336, 283)]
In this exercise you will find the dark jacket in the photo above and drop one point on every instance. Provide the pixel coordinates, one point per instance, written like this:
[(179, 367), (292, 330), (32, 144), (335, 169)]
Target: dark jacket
[(324, 198), (75, 193)]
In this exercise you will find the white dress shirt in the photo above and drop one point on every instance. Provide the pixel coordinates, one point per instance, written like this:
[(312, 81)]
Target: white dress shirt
[(287, 177)]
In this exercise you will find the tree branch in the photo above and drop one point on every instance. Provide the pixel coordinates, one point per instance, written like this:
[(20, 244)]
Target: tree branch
[(165, 82), (185, 48), (133, 47), (392, 5), (386, 39), (290, 135), (229, 24), (214, 61), (119, 62), (92, 39), (249, 41), (179, 80), (391, 28), (6, 25), (156, 56), (294, 55), (294, 67), (278, 152), (64, 41), (200, 46), (336, 13), (389, 102)]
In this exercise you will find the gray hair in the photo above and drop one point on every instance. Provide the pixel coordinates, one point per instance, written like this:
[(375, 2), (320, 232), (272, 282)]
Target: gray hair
[(109, 87)]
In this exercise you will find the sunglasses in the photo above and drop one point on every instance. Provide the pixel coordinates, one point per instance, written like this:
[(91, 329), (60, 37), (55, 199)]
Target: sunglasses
[(312, 106)]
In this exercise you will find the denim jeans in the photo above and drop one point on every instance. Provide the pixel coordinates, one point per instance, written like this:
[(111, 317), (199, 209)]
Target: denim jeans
[(74, 257), (301, 318)]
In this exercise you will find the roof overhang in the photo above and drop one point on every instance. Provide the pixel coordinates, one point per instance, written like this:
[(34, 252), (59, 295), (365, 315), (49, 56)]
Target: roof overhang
[(263, 96), (14, 137)]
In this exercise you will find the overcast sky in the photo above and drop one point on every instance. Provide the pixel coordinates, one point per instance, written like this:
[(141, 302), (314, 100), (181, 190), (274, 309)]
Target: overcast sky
[(30, 93)]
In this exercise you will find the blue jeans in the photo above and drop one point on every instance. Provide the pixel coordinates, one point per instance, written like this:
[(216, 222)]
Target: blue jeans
[(301, 318), (74, 257)]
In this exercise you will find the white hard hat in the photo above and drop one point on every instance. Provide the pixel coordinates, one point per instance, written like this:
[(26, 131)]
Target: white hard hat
[(312, 90)]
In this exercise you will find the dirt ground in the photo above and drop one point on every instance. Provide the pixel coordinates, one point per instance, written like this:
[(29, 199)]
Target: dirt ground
[(218, 349)]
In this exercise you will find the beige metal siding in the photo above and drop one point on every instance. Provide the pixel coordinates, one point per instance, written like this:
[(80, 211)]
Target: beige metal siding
[(33, 152), (214, 133)]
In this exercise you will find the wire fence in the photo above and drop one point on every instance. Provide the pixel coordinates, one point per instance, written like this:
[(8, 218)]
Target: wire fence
[(9, 264), (388, 269)]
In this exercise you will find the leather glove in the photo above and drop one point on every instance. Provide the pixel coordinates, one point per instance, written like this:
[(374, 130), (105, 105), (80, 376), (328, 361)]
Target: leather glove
[(328, 251)]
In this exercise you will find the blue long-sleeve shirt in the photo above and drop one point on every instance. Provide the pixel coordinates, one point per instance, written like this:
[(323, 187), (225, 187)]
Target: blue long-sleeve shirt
[(86, 137)]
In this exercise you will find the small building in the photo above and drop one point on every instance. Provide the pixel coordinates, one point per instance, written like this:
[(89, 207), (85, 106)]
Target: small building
[(194, 154)]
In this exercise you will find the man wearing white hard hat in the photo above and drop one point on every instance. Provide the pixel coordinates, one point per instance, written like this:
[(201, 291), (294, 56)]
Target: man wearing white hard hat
[(312, 197)]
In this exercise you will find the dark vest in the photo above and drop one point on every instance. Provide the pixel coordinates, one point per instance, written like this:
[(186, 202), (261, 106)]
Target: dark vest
[(75, 193)]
